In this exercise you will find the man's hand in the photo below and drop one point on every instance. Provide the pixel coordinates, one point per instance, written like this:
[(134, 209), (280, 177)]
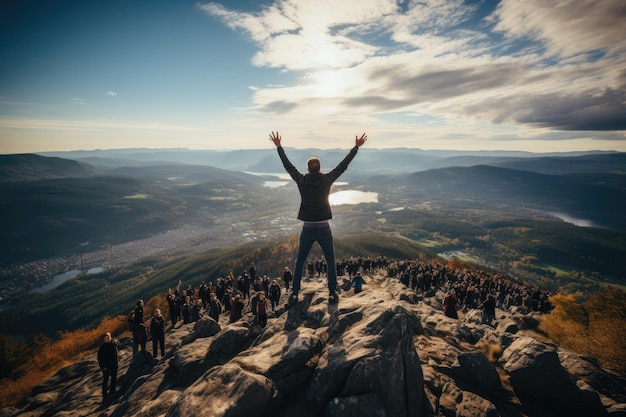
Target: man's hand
[(359, 141), (275, 137)]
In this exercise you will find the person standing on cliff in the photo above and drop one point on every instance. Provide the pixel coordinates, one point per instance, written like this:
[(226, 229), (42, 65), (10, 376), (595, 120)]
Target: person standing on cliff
[(287, 277), (108, 360), (157, 330), (450, 305), (314, 188), (357, 283)]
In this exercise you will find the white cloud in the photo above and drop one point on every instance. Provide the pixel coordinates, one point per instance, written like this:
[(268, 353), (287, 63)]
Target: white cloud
[(111, 93), (566, 27), (545, 64), (303, 35)]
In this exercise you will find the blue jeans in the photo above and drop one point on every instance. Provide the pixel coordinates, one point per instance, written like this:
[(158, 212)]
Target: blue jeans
[(324, 237)]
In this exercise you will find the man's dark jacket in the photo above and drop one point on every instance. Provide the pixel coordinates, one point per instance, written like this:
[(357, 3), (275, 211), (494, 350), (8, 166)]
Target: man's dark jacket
[(314, 188), (107, 355)]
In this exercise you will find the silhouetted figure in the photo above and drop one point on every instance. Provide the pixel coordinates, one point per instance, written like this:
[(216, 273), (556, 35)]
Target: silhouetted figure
[(287, 277), (157, 330), (108, 361), (314, 188), (450, 306), (357, 283)]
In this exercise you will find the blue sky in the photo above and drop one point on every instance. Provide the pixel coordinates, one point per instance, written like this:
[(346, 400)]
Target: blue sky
[(534, 75)]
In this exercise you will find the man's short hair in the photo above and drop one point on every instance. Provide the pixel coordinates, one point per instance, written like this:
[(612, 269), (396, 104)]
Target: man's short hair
[(314, 165)]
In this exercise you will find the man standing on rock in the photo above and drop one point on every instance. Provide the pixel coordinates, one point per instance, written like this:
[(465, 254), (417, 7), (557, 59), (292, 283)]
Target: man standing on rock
[(108, 360), (157, 330), (314, 188)]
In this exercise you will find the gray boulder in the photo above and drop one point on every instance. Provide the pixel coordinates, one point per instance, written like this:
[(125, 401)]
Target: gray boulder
[(508, 326), (374, 356), (226, 391), (188, 364), (475, 369), (206, 327), (604, 382), (233, 339), (458, 403), (541, 382)]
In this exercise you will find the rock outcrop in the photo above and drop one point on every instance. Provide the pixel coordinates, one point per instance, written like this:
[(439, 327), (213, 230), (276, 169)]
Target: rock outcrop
[(384, 352)]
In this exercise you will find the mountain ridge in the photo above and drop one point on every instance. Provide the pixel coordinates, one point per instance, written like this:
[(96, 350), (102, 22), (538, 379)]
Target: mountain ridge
[(399, 160), (29, 167)]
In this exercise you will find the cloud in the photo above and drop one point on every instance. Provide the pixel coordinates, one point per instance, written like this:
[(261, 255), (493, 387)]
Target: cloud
[(605, 111), (544, 64), (111, 93), (87, 125), (566, 27)]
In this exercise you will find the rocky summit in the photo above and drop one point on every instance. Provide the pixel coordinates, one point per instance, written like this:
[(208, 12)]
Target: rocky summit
[(386, 351)]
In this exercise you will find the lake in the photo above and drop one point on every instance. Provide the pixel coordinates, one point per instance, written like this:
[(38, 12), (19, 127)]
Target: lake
[(274, 184), (56, 281), (61, 278), (336, 199), (352, 197)]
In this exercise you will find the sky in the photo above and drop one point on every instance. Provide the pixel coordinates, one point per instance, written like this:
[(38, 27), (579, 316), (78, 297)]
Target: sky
[(531, 75)]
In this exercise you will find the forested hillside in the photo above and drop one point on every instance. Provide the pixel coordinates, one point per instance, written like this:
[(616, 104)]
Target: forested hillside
[(84, 301), (30, 167)]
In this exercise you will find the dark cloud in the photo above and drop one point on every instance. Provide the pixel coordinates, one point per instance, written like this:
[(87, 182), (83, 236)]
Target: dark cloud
[(378, 102), (280, 107), (442, 84), (585, 112), (400, 88)]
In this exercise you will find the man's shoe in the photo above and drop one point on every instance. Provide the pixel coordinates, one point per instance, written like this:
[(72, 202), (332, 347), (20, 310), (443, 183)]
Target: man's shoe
[(293, 299), (333, 298)]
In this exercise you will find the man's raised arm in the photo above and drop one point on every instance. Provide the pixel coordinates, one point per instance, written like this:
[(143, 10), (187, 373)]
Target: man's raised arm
[(289, 167)]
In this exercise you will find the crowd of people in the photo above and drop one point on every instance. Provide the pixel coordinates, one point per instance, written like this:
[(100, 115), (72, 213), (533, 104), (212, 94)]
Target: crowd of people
[(228, 295), (465, 288), (469, 288)]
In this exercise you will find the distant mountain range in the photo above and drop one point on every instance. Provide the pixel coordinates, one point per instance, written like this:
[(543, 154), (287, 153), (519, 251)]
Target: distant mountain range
[(371, 161)]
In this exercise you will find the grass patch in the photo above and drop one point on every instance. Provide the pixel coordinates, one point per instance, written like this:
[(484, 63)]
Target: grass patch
[(430, 243), (558, 271), (492, 351)]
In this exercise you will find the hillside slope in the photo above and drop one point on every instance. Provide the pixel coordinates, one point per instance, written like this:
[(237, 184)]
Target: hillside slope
[(601, 198), (31, 167)]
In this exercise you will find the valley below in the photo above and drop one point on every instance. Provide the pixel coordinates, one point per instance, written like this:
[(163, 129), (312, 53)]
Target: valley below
[(559, 230), (227, 230)]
